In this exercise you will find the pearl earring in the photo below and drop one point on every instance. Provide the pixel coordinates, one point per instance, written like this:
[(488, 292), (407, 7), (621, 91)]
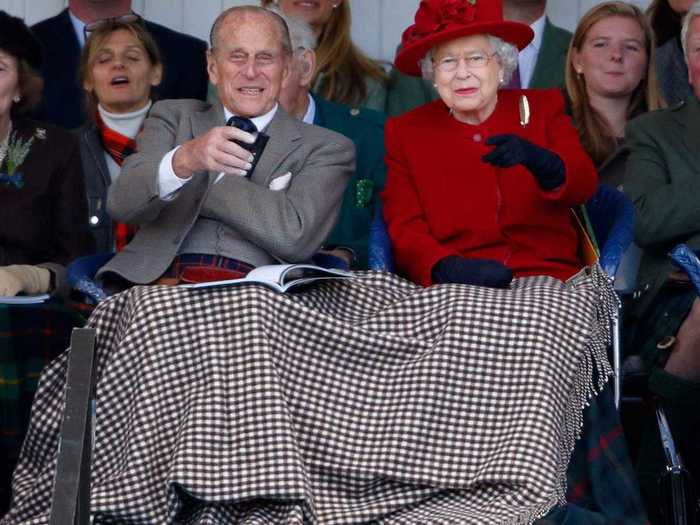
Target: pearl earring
[(16, 99)]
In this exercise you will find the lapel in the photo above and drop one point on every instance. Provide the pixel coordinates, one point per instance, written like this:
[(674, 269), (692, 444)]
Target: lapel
[(688, 118), (285, 137), (203, 121), (67, 45), (284, 134), (320, 116), (549, 59), (97, 153)]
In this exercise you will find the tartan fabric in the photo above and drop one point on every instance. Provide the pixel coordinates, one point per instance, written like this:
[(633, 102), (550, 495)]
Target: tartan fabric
[(371, 399), (189, 261), (117, 145), (31, 336), (601, 485), (119, 148)]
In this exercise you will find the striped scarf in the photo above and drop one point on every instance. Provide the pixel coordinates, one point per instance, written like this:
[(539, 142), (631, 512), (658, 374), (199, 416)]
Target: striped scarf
[(119, 148)]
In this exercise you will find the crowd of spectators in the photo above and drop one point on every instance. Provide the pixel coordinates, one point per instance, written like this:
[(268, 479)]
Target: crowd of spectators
[(287, 158)]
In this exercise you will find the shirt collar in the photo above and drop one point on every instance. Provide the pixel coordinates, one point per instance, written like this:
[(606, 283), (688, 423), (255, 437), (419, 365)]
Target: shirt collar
[(310, 115), (538, 27), (260, 122), (78, 27)]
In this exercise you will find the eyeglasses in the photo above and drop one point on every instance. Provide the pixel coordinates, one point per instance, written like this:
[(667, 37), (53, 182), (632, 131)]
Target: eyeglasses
[(128, 18), (476, 60)]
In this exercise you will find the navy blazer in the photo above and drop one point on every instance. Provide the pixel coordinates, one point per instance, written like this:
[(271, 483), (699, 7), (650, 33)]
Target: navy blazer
[(63, 103)]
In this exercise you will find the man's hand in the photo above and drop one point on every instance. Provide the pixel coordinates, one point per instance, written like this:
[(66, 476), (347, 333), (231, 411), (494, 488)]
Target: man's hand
[(24, 278), (545, 165), (214, 151)]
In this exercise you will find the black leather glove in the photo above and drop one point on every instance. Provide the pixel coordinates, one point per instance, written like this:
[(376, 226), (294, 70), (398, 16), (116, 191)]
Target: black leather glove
[(480, 272), (545, 165)]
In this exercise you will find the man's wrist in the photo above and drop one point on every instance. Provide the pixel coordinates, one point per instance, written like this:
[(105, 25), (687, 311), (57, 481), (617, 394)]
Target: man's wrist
[(180, 166)]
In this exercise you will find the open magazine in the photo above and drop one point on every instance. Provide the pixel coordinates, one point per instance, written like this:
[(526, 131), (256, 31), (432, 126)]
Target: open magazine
[(24, 299), (280, 277)]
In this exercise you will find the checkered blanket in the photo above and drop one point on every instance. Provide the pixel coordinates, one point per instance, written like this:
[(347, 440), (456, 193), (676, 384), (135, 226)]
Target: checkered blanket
[(355, 401)]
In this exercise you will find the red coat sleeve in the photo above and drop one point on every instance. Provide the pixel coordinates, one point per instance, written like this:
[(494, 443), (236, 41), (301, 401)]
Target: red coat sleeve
[(415, 249), (580, 177)]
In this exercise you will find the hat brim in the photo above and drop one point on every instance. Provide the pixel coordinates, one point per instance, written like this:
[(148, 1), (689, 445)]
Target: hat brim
[(520, 35)]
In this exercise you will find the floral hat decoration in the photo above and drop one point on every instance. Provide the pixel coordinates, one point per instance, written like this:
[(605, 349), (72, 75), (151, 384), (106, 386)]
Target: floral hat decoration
[(439, 21)]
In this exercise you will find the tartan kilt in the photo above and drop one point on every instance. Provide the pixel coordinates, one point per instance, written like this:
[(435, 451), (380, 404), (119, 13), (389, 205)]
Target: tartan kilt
[(31, 336), (602, 488)]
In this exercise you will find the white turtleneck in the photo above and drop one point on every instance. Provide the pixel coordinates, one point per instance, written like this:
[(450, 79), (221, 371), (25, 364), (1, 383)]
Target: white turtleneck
[(128, 124)]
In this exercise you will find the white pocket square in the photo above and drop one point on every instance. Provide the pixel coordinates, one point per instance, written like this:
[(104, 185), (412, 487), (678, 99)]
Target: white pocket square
[(281, 182)]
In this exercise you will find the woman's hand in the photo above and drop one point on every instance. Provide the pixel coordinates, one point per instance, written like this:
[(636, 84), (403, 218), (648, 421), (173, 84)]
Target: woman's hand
[(479, 272), (18, 278), (545, 165)]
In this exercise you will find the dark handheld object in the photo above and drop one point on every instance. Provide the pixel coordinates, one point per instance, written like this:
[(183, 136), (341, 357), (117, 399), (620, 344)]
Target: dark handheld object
[(479, 272), (257, 147), (545, 165)]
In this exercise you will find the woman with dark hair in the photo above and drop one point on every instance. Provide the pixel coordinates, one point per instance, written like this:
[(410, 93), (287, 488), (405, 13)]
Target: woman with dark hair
[(666, 17), (119, 68), (42, 228), (610, 77), (42, 197)]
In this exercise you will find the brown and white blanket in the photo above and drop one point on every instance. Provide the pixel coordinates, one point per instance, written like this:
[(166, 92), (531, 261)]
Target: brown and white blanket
[(369, 400)]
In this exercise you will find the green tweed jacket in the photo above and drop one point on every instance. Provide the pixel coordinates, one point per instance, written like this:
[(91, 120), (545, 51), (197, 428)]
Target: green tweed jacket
[(365, 128), (549, 70), (663, 181)]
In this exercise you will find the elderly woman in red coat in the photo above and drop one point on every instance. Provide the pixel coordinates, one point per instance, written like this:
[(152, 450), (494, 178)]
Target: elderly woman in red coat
[(479, 189)]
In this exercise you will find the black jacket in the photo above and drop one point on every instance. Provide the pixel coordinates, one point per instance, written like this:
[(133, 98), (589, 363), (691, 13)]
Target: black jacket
[(184, 64)]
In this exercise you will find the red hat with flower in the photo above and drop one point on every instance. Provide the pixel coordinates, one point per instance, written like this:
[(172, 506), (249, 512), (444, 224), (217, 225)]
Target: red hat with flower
[(438, 21)]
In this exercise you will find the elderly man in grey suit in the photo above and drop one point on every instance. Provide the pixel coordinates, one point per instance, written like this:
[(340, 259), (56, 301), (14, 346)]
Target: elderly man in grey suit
[(194, 189)]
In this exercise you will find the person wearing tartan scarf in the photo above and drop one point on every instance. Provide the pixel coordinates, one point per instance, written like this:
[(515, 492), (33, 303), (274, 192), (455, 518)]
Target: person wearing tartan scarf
[(118, 147), (119, 67)]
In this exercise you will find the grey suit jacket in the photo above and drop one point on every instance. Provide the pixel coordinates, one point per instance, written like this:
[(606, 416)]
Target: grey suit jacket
[(286, 225)]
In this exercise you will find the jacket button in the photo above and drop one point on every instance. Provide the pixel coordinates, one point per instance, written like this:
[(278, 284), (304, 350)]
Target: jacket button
[(477, 137), (354, 112), (94, 220)]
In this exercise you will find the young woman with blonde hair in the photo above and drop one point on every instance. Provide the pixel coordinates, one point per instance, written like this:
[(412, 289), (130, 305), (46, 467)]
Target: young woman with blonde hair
[(610, 77)]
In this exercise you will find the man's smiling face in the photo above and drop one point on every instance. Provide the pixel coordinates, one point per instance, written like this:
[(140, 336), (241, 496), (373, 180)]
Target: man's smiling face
[(248, 64)]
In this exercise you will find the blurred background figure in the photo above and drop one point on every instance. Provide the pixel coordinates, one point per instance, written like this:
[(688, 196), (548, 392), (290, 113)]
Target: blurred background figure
[(120, 67), (42, 228), (63, 36), (365, 127), (662, 182), (541, 63), (343, 73), (610, 78), (671, 69)]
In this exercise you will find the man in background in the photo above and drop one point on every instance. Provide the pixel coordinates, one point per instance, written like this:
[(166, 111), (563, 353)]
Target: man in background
[(541, 63), (365, 127), (63, 37)]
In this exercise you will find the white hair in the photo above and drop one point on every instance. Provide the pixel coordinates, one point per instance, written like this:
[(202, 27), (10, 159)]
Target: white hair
[(507, 54), (693, 12), (301, 34)]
